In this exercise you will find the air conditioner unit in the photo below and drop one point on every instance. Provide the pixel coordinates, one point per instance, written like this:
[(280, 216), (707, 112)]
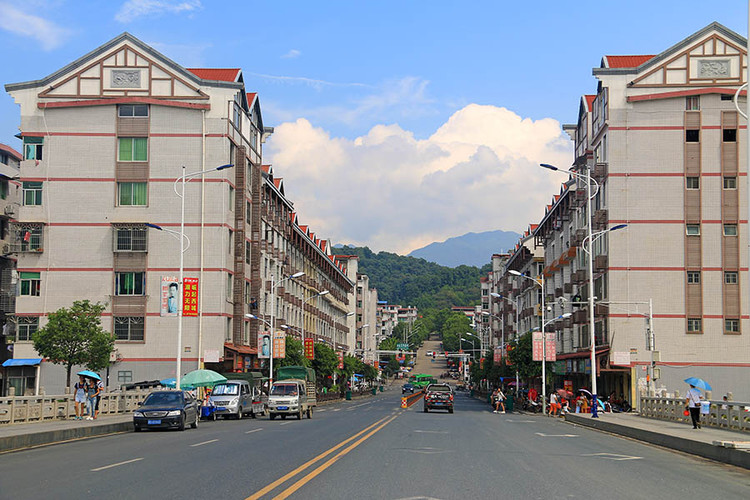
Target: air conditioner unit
[(10, 210)]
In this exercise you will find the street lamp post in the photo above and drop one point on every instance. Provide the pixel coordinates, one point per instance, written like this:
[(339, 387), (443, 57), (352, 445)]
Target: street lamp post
[(183, 179), (320, 294), (272, 322), (540, 284)]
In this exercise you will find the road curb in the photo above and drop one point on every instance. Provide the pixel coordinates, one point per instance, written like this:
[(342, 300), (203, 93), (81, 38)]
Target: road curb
[(34, 439), (730, 456)]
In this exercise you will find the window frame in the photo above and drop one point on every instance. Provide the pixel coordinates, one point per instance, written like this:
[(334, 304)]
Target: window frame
[(730, 230), (731, 325), (691, 322), (32, 192), (129, 322), (133, 143), (730, 179), (28, 285), (692, 135), (696, 180), (132, 107), (119, 275), (35, 144), (132, 203), (693, 103), (689, 226), (731, 277), (119, 239), (693, 277), (27, 324)]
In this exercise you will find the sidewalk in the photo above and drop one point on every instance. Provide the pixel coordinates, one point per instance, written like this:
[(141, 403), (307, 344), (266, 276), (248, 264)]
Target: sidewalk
[(721, 445), (18, 436)]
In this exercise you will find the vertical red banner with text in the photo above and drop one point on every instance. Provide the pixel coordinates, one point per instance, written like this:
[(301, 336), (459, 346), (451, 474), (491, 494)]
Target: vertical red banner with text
[(309, 348), (190, 297), (341, 360)]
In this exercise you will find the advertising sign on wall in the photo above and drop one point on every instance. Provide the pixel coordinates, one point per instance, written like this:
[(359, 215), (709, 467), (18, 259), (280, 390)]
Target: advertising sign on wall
[(190, 297), (279, 345), (264, 345), (170, 288), (309, 348)]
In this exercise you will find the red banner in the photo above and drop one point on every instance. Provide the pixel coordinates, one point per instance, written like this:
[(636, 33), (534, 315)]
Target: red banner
[(377, 364), (190, 297), (538, 348), (341, 360), (309, 348)]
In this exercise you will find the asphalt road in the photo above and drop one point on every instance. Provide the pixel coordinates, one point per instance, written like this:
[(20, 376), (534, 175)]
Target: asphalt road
[(369, 448)]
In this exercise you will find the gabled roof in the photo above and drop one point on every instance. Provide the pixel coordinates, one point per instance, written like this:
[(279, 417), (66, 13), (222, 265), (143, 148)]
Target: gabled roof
[(625, 61), (11, 151), (589, 101), (218, 74)]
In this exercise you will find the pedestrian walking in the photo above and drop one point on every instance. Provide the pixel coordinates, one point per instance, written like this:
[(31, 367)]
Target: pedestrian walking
[(80, 397), (693, 404), (99, 390), (554, 404), (91, 391), (500, 401)]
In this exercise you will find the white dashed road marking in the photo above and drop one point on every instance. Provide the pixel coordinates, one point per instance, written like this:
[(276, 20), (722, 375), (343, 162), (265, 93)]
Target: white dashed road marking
[(116, 465), (612, 456), (204, 442), (254, 430)]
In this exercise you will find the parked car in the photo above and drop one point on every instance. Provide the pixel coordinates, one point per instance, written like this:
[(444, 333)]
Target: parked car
[(167, 410), (233, 398), (407, 388), (438, 396)]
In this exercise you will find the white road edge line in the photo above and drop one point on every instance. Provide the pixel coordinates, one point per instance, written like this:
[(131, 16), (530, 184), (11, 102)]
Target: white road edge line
[(204, 442), (116, 465), (254, 430), (285, 423)]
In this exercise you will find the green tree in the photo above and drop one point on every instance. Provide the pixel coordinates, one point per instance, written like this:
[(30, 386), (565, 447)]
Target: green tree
[(295, 355), (75, 337), (521, 358), (325, 362)]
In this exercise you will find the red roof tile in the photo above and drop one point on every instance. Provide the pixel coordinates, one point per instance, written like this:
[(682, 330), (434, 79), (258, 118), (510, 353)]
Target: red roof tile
[(217, 74), (10, 151), (590, 100), (626, 61), (277, 182), (251, 97)]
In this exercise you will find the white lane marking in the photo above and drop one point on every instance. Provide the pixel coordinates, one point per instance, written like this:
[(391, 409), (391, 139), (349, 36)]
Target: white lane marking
[(556, 435), (116, 465), (521, 421), (204, 442), (427, 451), (337, 409), (432, 432), (285, 423), (612, 456), (320, 411), (254, 430)]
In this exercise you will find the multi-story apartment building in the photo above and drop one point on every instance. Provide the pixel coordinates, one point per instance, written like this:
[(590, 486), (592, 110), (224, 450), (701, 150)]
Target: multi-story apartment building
[(367, 327), (662, 138), (10, 198), (388, 315), (106, 138)]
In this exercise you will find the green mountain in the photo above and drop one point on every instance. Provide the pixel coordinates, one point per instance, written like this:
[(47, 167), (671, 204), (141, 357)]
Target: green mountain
[(409, 281)]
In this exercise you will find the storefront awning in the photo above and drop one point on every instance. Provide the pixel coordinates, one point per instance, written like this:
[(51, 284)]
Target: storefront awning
[(242, 349), (22, 362), (583, 354)]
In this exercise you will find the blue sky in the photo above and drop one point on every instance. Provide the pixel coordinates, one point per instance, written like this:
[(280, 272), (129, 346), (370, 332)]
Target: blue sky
[(385, 85)]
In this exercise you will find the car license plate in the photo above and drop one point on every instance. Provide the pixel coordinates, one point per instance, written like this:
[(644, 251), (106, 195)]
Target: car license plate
[(154, 422), (220, 408), (282, 407)]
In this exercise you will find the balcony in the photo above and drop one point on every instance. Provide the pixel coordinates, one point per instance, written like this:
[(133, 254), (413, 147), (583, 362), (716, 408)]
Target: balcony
[(601, 170)]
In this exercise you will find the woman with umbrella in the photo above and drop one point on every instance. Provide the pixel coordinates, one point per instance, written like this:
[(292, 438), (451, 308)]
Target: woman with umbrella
[(693, 399)]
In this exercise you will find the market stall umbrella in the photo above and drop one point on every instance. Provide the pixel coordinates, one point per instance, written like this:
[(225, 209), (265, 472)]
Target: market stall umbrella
[(699, 383), (89, 374), (168, 382), (201, 378)]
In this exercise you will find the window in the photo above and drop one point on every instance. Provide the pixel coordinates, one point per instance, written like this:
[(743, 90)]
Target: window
[(692, 183), (130, 283), (132, 110), (730, 229), (130, 239), (694, 325), (693, 277), (132, 149), (27, 326), (732, 325), (248, 211), (231, 199), (3, 188), (730, 277), (30, 284), (229, 287), (231, 242), (32, 193), (124, 376), (29, 237), (32, 148), (129, 328), (727, 97), (729, 135), (730, 182), (693, 103), (247, 252), (693, 229), (132, 194), (693, 135)]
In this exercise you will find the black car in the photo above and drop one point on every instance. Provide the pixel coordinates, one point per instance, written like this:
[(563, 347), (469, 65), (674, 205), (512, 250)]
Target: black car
[(407, 388), (167, 410), (438, 396)]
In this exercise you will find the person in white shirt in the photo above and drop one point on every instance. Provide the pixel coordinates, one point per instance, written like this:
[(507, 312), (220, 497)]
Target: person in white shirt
[(693, 404)]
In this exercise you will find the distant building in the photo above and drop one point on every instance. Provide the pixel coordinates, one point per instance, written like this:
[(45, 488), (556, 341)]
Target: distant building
[(10, 200)]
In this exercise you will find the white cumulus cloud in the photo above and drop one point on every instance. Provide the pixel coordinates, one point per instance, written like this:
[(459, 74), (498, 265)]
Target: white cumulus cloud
[(47, 33), (292, 54), (133, 9), (388, 190)]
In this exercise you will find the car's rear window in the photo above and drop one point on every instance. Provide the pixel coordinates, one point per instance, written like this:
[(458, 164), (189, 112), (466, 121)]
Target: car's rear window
[(439, 388)]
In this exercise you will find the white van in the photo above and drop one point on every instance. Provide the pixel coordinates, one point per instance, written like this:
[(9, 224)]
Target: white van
[(232, 398)]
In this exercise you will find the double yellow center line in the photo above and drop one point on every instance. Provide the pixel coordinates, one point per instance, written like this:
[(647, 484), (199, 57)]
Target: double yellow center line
[(367, 431)]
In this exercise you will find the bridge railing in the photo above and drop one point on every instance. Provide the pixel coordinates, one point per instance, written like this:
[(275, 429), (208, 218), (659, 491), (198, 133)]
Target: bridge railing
[(723, 414)]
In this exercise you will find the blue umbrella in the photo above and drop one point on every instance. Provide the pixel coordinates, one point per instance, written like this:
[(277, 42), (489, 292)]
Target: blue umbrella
[(168, 382), (89, 374), (699, 383)]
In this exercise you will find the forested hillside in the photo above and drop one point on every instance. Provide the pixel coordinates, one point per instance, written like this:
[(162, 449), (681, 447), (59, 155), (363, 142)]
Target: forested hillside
[(409, 281)]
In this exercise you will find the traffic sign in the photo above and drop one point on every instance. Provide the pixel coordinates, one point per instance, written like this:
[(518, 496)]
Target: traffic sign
[(402, 347)]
